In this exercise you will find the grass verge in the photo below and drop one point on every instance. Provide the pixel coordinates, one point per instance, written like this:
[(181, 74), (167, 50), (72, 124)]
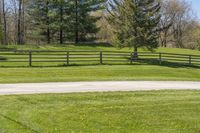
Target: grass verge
[(104, 47), (141, 112), (98, 73), (11, 73)]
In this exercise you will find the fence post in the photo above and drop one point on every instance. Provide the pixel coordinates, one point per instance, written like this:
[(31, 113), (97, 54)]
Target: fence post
[(68, 58), (190, 60), (30, 58), (135, 54), (131, 59), (101, 57), (160, 58)]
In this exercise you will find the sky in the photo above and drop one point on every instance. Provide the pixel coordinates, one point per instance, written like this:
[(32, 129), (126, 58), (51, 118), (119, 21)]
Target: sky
[(196, 6)]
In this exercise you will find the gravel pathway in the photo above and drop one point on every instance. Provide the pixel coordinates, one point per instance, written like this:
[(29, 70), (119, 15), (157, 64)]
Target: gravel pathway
[(72, 87)]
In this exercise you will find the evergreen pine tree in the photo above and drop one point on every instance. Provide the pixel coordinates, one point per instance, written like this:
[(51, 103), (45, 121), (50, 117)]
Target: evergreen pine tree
[(39, 10), (135, 23), (1, 32), (60, 19), (65, 20), (84, 23)]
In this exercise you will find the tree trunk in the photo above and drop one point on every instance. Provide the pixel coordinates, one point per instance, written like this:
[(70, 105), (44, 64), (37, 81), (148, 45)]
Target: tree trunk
[(48, 36), (61, 25), (1, 33), (19, 30), (23, 23), (5, 38), (76, 24), (47, 23), (165, 39), (135, 56), (15, 13)]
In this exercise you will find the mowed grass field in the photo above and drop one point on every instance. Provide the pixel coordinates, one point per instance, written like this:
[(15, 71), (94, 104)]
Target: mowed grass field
[(104, 47), (98, 73), (95, 72), (111, 112), (118, 112)]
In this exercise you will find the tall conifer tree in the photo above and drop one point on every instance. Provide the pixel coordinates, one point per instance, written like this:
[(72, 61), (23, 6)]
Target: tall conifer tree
[(85, 23), (72, 20), (135, 23), (40, 12)]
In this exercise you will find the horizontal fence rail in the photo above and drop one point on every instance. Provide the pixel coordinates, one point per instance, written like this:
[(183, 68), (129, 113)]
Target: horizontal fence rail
[(48, 58)]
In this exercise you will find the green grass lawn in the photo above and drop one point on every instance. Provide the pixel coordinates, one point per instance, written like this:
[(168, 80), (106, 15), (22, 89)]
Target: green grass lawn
[(93, 47), (118, 112), (141, 112), (94, 72), (98, 73)]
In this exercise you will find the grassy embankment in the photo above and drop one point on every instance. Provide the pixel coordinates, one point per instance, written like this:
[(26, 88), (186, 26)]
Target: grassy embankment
[(141, 112), (98, 72)]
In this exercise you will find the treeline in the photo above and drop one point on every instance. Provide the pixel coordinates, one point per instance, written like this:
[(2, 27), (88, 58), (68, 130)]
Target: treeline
[(183, 27), (153, 23), (49, 21), (133, 23)]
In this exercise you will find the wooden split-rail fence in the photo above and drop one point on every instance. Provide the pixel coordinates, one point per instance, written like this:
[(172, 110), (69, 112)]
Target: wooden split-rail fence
[(36, 57)]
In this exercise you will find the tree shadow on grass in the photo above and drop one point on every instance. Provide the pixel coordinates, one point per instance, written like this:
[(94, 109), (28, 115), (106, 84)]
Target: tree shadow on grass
[(19, 123), (2, 58), (156, 62), (100, 44), (4, 48), (139, 62), (48, 66)]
